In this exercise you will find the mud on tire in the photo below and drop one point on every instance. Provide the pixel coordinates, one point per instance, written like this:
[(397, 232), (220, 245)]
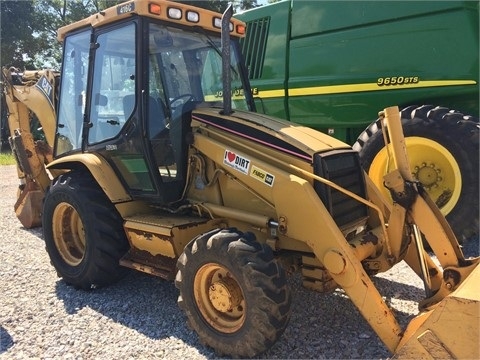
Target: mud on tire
[(446, 132)]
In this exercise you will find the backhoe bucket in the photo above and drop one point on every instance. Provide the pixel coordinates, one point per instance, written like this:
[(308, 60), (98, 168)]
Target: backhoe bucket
[(29, 206), (450, 330)]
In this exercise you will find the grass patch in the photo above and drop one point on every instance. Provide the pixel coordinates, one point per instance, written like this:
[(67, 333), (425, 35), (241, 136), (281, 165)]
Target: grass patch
[(7, 158)]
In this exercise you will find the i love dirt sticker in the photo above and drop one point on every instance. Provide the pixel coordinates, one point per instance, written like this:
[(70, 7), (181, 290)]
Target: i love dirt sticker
[(236, 161)]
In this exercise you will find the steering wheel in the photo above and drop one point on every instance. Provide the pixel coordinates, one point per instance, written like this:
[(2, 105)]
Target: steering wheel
[(180, 100)]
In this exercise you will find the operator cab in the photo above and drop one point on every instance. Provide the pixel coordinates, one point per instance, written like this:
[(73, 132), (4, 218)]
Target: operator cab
[(127, 93)]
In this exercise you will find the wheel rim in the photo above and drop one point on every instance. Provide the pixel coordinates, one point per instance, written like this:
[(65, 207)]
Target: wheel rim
[(219, 298), (68, 234), (431, 164)]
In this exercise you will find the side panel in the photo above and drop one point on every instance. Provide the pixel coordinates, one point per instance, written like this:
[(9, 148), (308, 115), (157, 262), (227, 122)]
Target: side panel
[(347, 60)]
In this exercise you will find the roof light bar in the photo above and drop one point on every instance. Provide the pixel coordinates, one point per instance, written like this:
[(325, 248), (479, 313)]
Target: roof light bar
[(174, 13), (193, 16), (241, 29), (217, 22), (154, 9)]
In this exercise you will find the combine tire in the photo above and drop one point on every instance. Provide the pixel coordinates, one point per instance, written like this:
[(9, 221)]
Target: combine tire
[(83, 232), (233, 292), (443, 152)]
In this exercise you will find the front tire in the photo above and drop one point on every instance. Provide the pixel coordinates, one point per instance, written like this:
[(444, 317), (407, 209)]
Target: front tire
[(443, 152), (233, 292), (83, 232)]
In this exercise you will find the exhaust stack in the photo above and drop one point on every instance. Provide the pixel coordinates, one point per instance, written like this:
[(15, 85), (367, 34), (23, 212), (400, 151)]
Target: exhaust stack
[(226, 75)]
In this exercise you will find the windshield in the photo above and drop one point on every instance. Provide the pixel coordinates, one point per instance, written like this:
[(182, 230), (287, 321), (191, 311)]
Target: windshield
[(187, 66)]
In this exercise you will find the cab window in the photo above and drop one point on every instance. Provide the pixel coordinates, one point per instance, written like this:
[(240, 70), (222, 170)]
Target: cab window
[(113, 83)]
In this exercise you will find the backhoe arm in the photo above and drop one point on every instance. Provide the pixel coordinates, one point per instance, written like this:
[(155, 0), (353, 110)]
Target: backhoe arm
[(27, 93)]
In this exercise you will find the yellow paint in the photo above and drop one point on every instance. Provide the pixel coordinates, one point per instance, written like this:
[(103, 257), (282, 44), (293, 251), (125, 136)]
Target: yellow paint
[(271, 93), (100, 169), (425, 155), (350, 88)]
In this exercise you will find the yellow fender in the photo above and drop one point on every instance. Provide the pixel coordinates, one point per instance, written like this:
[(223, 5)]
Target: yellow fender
[(100, 169)]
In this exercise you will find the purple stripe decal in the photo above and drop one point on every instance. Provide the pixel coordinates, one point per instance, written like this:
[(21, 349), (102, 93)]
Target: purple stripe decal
[(253, 139)]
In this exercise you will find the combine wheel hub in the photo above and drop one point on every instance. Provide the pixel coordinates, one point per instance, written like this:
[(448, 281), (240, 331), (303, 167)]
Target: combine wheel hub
[(432, 165), (429, 176)]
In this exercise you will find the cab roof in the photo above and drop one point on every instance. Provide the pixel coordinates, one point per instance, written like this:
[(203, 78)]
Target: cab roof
[(170, 11)]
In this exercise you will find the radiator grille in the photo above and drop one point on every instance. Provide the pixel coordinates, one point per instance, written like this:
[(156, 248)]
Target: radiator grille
[(343, 168), (254, 44)]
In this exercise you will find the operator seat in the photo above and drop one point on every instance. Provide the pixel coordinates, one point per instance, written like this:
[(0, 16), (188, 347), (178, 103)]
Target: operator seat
[(158, 133), (156, 113), (156, 117), (128, 106), (181, 137)]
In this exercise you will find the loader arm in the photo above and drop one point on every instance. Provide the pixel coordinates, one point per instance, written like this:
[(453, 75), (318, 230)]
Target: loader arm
[(452, 297), (450, 281), (393, 235), (27, 93), (425, 217)]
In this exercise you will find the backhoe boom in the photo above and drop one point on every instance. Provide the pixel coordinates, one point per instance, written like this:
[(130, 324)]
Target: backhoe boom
[(30, 95)]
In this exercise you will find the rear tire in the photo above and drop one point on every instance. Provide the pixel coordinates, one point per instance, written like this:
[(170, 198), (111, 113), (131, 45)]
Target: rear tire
[(444, 156), (233, 292), (83, 232)]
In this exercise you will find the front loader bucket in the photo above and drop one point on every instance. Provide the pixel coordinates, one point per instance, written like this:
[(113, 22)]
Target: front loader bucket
[(29, 206), (450, 330)]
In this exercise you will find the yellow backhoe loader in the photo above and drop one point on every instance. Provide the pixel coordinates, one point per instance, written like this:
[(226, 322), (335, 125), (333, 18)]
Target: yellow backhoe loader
[(155, 160)]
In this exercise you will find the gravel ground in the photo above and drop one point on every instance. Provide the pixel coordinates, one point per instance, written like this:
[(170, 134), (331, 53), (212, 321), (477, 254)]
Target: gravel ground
[(41, 317)]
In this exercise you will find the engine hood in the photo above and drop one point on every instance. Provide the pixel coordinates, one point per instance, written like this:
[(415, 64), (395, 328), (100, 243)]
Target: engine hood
[(279, 134)]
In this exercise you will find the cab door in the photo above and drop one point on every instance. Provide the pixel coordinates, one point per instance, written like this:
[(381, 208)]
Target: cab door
[(113, 124)]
